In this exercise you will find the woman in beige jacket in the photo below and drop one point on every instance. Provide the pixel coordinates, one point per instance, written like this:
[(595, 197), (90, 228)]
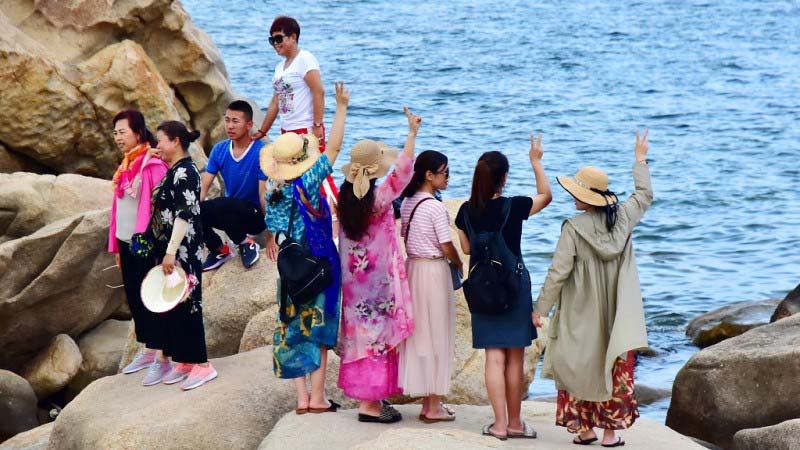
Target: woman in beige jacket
[(599, 318)]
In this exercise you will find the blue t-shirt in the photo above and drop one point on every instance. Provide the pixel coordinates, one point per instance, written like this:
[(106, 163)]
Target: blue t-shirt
[(240, 176)]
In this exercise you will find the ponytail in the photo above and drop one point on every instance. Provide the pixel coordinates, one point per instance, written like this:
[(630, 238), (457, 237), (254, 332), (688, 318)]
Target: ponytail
[(427, 160), (176, 130), (487, 181)]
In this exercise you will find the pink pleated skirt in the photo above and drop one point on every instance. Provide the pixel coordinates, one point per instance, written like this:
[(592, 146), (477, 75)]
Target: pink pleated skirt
[(426, 357)]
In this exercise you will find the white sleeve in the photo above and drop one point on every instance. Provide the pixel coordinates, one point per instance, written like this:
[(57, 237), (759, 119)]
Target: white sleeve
[(307, 63), (178, 232)]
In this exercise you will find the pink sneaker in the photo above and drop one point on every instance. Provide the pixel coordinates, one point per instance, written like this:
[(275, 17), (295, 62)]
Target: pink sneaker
[(178, 373), (199, 376)]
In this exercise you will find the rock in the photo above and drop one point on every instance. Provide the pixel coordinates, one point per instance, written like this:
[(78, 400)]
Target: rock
[(647, 395), (260, 330), (35, 439), (54, 367), (130, 348), (122, 313), (788, 306), (29, 201), (343, 431), (232, 296), (18, 405), (729, 321), (749, 381), (783, 436), (76, 72), (236, 410), (14, 162), (101, 349), (53, 282)]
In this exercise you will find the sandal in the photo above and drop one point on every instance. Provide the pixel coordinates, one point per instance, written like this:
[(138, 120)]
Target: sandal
[(579, 441), (487, 431), (527, 433), (619, 443), (427, 419), (334, 406), (300, 411)]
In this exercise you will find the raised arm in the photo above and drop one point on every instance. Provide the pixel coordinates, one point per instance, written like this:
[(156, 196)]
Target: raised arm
[(638, 203), (337, 130), (399, 178), (543, 195), (269, 118)]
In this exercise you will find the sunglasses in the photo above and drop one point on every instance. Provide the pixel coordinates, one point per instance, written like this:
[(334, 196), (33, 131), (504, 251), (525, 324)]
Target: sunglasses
[(446, 172), (277, 39)]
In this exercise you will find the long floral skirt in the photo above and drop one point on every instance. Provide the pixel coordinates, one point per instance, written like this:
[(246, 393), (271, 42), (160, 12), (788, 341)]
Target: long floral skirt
[(618, 413), (371, 378)]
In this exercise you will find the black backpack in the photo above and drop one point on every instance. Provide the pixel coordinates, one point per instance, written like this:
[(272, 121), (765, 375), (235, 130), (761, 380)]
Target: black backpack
[(303, 276), (492, 286)]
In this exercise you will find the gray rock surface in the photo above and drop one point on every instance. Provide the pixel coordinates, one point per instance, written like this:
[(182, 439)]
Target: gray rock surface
[(749, 381), (101, 349), (53, 367), (729, 321), (783, 436), (17, 405)]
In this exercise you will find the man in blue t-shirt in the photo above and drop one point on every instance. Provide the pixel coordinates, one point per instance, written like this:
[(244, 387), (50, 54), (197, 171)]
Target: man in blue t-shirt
[(240, 214)]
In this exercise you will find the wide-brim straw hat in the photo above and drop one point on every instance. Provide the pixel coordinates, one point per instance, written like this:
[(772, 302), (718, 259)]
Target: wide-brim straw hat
[(290, 156), (368, 160), (588, 186), (157, 296)]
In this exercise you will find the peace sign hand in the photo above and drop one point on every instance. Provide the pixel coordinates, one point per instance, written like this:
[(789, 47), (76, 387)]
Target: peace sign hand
[(342, 94), (642, 145), (537, 151), (413, 120)]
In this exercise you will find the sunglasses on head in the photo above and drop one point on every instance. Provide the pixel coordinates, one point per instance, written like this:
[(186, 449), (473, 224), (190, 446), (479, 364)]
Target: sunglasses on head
[(276, 39)]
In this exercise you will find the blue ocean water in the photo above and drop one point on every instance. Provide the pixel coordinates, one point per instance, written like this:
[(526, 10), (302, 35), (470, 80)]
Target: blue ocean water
[(717, 83)]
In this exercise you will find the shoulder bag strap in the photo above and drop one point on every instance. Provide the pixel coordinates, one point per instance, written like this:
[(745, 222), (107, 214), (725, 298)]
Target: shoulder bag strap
[(411, 217)]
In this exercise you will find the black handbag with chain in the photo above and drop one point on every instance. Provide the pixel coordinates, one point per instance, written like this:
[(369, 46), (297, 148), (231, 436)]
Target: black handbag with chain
[(303, 276)]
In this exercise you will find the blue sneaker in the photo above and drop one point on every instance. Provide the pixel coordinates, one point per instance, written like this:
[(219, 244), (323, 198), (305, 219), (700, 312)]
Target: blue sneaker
[(217, 258), (249, 252)]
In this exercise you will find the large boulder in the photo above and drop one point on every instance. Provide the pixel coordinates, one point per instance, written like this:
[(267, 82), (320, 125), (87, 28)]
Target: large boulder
[(343, 431), (729, 321), (54, 367), (17, 405), (35, 439), (260, 330), (236, 410), (53, 282), (101, 349), (788, 306), (29, 201), (749, 381), (783, 436), (64, 71)]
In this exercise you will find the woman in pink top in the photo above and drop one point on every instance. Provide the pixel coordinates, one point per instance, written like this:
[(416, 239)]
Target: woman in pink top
[(133, 184), (376, 303), (426, 357)]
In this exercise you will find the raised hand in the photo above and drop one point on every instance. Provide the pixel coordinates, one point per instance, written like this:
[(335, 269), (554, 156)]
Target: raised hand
[(413, 120), (537, 151), (342, 94), (641, 146)]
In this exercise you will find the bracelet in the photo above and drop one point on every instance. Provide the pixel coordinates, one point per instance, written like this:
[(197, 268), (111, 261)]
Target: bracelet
[(644, 161), (318, 125)]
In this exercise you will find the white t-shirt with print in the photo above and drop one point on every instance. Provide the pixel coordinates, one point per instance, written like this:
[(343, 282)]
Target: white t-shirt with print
[(295, 102)]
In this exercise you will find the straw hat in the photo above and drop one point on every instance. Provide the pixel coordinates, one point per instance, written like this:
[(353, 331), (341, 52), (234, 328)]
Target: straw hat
[(590, 186), (160, 293), (290, 156), (368, 160)]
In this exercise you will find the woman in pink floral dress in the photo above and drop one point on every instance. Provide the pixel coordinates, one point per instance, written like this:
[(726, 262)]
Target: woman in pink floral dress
[(376, 302)]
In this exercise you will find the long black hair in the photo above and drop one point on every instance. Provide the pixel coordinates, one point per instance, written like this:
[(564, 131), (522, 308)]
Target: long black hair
[(429, 160), (355, 213), (490, 173)]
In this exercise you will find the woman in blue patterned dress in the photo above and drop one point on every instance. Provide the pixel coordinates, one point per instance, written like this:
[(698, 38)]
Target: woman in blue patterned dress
[(296, 169)]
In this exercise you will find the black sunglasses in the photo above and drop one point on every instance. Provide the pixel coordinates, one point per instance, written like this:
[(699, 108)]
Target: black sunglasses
[(446, 172), (277, 39)]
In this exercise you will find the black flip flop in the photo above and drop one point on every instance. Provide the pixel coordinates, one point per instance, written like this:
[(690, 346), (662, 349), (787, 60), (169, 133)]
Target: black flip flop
[(388, 415), (334, 406), (579, 441), (619, 443)]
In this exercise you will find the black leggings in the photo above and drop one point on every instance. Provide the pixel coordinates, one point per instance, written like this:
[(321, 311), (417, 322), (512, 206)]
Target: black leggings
[(237, 218), (149, 326)]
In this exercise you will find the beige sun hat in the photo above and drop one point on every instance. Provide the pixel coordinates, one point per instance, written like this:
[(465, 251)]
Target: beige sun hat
[(590, 186), (160, 293), (290, 156), (368, 160)]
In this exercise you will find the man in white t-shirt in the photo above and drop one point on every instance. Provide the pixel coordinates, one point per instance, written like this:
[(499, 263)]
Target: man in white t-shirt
[(298, 97)]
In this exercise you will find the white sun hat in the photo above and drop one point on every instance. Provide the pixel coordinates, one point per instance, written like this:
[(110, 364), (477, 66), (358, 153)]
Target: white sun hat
[(160, 293)]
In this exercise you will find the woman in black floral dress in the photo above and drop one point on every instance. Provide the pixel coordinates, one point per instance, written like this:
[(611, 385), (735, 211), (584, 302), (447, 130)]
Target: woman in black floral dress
[(178, 233)]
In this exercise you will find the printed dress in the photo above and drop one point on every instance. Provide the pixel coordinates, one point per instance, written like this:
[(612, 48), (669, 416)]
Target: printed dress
[(177, 196), (376, 301), (296, 349)]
